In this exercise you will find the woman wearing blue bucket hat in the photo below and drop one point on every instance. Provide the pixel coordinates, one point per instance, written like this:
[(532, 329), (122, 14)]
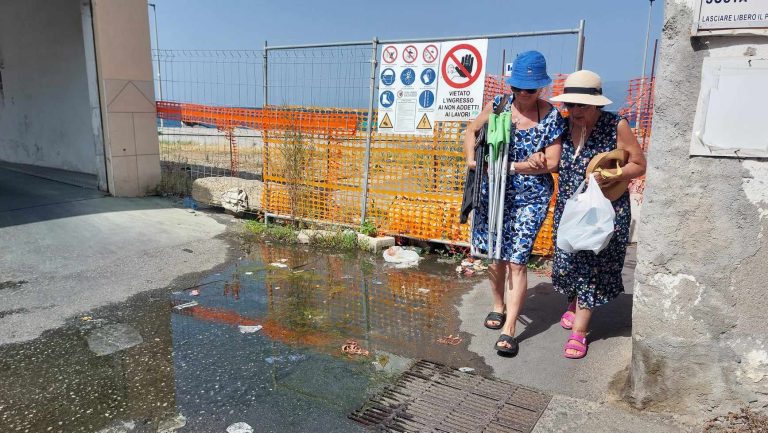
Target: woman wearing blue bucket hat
[(534, 153)]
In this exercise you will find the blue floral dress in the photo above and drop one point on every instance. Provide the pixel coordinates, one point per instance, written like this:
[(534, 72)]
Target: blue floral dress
[(527, 196), (592, 278)]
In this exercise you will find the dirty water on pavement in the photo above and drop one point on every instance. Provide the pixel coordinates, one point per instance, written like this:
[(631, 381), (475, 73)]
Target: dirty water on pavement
[(257, 342)]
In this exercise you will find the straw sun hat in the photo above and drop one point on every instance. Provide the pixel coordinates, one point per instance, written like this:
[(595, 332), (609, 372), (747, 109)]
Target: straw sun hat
[(583, 87), (614, 159)]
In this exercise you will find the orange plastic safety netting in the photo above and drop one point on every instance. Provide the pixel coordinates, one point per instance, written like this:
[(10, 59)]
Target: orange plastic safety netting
[(638, 110), (415, 182)]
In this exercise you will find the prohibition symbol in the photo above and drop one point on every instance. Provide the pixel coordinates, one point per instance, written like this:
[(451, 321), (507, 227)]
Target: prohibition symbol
[(467, 68), (410, 54), (389, 54), (424, 123), (385, 122), (429, 54)]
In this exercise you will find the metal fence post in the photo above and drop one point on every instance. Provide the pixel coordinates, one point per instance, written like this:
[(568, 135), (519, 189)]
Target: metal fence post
[(368, 132), (265, 150), (264, 77), (580, 47)]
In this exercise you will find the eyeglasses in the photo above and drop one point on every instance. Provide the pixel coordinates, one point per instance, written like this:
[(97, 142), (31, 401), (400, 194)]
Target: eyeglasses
[(574, 105), (528, 91)]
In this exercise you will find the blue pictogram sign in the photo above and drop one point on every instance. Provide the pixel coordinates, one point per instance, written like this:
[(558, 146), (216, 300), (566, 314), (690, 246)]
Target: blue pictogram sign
[(426, 99), (386, 99)]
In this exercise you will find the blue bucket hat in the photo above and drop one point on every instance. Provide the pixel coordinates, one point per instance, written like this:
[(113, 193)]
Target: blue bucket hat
[(529, 71)]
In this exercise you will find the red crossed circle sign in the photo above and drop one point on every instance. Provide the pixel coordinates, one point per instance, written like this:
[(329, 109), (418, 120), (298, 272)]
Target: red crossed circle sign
[(410, 54), (389, 54), (429, 54), (451, 55)]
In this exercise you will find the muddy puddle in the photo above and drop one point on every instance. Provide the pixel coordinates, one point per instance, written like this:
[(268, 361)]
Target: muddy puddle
[(285, 339)]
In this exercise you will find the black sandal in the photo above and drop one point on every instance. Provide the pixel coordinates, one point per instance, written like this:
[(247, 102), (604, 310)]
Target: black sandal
[(508, 351), (498, 317)]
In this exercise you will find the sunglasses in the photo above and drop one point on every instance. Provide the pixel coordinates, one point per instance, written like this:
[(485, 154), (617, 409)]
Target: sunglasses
[(574, 105), (528, 91)]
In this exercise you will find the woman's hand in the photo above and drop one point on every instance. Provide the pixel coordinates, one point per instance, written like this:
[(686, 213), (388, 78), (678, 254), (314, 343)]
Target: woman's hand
[(472, 165), (607, 180), (537, 161)]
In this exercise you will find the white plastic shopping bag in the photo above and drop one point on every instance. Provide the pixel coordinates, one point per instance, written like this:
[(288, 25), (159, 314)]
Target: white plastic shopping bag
[(587, 220)]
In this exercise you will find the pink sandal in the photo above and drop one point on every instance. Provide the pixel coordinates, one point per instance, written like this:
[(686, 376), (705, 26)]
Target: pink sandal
[(577, 343), (569, 315)]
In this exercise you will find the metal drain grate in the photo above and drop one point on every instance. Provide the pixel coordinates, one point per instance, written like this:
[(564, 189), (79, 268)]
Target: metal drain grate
[(435, 398)]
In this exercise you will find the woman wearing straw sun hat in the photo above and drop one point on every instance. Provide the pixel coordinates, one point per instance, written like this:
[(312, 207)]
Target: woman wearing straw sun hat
[(599, 142), (537, 127)]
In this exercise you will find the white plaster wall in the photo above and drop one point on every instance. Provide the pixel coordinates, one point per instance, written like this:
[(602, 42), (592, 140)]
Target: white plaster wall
[(45, 116)]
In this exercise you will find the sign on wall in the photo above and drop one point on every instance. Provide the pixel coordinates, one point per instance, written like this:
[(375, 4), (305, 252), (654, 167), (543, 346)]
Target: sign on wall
[(420, 83), (730, 114), (731, 16)]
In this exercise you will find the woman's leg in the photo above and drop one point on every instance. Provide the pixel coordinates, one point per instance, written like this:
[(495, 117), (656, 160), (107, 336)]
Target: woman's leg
[(497, 273), (580, 325), (567, 319), (515, 296)]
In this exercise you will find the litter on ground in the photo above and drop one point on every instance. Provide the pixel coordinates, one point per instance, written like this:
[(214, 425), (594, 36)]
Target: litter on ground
[(240, 427), (185, 305), (352, 348), (471, 266), (249, 329), (401, 257), (451, 340)]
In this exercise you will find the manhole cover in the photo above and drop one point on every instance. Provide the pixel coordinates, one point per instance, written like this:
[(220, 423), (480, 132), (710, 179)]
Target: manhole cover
[(435, 398)]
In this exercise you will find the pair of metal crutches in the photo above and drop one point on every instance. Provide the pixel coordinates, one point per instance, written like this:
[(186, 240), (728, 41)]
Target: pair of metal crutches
[(496, 165)]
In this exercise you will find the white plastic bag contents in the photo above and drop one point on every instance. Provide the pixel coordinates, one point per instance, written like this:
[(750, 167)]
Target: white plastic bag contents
[(587, 220)]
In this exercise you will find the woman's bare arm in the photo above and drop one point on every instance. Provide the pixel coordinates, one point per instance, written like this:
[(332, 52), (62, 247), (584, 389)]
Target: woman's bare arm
[(542, 162), (636, 163)]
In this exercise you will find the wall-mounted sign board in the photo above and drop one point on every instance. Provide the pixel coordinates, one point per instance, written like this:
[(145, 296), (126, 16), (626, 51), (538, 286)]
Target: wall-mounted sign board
[(730, 17), (730, 114)]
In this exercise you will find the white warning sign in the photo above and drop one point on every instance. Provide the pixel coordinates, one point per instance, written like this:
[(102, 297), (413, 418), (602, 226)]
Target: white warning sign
[(408, 79), (462, 80), (421, 83)]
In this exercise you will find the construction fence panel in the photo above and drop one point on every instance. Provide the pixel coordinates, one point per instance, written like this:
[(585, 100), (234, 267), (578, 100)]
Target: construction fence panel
[(314, 165), (209, 114), (315, 137), (638, 109)]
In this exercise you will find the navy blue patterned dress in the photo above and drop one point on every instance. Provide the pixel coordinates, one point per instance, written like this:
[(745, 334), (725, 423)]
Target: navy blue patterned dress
[(527, 196), (592, 278)]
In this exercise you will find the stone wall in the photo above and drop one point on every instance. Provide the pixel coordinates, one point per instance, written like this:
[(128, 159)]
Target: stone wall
[(700, 332)]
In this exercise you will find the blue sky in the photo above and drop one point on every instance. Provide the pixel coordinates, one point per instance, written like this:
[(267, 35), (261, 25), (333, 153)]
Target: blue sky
[(615, 29), (615, 37)]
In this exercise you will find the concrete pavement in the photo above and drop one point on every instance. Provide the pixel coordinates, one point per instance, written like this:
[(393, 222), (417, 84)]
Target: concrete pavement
[(586, 392), (67, 250), (540, 363)]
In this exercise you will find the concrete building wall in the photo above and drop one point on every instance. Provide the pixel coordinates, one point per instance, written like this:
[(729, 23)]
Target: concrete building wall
[(700, 333), (121, 33), (45, 117)]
